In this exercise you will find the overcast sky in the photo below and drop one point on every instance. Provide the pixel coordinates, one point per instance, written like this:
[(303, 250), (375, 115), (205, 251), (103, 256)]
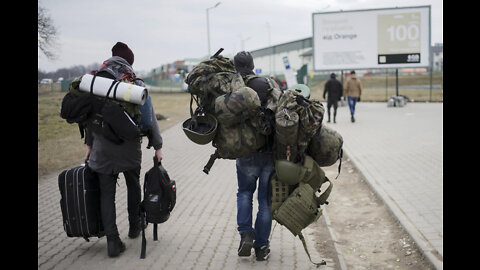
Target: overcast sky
[(161, 31)]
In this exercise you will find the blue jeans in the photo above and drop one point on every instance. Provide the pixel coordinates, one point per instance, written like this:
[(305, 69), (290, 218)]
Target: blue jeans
[(352, 101), (253, 167)]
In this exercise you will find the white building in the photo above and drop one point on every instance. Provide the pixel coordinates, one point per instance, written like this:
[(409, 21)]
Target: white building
[(269, 61)]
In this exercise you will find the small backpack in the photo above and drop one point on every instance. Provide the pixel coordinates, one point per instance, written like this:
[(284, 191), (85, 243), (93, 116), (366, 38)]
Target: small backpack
[(159, 198)]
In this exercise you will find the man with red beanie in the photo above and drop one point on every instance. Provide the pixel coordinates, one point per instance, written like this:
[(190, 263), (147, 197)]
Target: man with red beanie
[(121, 49), (108, 158)]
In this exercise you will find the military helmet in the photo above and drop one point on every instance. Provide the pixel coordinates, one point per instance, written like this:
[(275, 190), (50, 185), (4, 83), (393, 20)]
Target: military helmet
[(302, 89), (289, 172), (200, 129)]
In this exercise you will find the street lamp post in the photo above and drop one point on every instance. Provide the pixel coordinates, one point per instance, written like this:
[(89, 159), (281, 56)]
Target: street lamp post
[(208, 27)]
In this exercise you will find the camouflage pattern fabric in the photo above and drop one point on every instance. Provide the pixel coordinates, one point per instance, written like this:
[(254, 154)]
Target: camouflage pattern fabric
[(236, 106), (211, 78), (325, 146), (238, 140), (310, 116)]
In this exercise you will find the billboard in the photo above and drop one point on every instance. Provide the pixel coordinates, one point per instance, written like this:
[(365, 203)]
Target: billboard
[(371, 38)]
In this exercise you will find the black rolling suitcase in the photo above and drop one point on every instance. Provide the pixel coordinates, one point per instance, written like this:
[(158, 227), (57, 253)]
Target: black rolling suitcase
[(80, 202)]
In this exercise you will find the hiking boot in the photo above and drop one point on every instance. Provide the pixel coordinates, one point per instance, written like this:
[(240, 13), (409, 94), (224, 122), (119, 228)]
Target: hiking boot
[(135, 229), (262, 253), (246, 243), (115, 246)]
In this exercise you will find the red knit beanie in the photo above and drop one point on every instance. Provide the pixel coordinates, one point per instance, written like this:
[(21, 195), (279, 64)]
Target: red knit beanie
[(121, 49)]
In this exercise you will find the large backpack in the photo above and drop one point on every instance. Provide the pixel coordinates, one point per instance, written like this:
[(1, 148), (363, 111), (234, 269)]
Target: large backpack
[(126, 120), (297, 120), (159, 198), (220, 92), (208, 80)]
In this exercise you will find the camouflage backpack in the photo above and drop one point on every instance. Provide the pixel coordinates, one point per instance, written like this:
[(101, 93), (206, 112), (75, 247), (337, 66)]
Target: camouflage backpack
[(237, 134), (297, 120), (208, 80)]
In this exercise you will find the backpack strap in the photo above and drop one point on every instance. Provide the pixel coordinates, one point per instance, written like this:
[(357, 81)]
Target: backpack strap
[(323, 262), (340, 155), (144, 240), (210, 162), (155, 235), (322, 199)]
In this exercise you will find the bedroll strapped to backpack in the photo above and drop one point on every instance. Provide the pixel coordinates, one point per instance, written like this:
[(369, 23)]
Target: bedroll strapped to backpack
[(107, 116), (159, 198)]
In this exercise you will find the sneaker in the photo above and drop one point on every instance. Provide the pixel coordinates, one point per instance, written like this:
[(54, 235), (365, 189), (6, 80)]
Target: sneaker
[(246, 244), (262, 253)]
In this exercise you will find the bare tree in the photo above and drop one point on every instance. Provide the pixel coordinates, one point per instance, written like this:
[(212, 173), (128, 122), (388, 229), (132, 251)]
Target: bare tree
[(47, 34)]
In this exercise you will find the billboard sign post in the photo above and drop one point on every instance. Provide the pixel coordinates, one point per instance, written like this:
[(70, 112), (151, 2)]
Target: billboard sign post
[(372, 38)]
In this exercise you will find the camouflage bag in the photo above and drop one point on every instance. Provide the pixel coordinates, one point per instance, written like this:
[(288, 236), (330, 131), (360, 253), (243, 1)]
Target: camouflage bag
[(326, 147), (236, 136), (297, 120), (236, 106), (236, 141), (208, 80)]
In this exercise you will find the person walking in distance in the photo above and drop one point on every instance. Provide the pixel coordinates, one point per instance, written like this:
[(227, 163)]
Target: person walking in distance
[(250, 168), (353, 91), (108, 158), (334, 90)]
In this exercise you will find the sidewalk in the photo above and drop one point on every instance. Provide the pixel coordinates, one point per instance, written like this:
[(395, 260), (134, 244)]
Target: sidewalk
[(399, 150), (200, 234)]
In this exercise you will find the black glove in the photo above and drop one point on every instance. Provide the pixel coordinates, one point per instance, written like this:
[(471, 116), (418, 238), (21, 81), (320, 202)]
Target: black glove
[(358, 99)]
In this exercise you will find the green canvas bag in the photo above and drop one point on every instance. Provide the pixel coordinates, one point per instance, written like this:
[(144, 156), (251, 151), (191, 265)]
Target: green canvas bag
[(297, 120), (300, 209)]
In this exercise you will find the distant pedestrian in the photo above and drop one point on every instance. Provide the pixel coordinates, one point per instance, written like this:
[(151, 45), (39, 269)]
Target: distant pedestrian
[(334, 90), (353, 91)]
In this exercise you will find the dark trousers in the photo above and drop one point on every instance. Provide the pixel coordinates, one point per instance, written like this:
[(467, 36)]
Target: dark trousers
[(329, 105), (107, 198)]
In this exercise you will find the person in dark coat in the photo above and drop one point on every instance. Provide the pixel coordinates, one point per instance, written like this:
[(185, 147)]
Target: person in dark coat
[(108, 159), (334, 90)]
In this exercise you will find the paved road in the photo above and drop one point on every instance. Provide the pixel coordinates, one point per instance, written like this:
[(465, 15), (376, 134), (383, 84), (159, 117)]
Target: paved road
[(399, 150), (200, 234)]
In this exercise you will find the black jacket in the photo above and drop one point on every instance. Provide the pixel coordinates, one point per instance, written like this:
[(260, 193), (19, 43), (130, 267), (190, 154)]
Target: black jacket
[(334, 89)]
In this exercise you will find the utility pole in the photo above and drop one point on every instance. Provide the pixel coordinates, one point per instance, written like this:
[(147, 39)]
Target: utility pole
[(208, 26)]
